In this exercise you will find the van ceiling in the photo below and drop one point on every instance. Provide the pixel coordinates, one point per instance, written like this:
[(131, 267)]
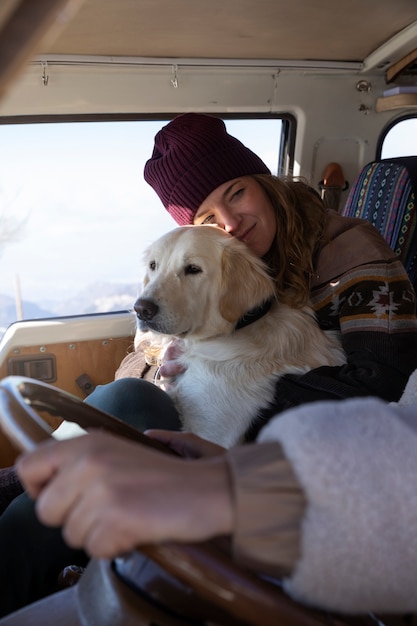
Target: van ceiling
[(237, 29)]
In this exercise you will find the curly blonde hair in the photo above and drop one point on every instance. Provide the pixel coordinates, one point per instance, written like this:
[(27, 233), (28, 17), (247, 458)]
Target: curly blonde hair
[(301, 221)]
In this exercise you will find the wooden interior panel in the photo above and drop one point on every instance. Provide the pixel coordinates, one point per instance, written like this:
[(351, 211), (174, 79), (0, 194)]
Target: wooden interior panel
[(409, 61), (97, 359), (258, 29), (26, 26)]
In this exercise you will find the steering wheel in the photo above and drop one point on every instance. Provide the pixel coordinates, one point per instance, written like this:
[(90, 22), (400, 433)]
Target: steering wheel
[(205, 570)]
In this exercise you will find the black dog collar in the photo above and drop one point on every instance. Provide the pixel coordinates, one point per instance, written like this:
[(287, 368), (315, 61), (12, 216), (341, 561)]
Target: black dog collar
[(255, 314)]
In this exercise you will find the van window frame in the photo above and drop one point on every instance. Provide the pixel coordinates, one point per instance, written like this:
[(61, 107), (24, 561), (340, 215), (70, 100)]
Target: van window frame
[(286, 146), (388, 128), (282, 162)]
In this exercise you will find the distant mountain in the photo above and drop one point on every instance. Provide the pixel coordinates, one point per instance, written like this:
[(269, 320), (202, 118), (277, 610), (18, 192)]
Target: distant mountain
[(97, 298), (31, 310), (100, 297)]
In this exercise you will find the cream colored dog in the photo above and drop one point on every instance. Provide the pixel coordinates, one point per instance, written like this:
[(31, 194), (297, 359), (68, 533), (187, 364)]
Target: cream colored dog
[(209, 290)]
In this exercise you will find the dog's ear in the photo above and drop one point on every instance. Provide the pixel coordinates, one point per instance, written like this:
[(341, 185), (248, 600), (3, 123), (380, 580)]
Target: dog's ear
[(245, 281)]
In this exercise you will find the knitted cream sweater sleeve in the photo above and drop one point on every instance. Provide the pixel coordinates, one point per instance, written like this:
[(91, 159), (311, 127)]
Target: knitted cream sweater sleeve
[(356, 461)]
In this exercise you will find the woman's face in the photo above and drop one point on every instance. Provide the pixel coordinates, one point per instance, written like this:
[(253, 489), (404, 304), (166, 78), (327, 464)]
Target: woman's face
[(241, 207)]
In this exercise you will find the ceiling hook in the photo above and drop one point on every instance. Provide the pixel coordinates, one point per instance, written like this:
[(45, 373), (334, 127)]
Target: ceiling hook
[(174, 79), (45, 77), (363, 86)]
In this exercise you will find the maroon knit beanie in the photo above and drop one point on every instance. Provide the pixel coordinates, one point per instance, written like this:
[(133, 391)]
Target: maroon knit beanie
[(192, 156)]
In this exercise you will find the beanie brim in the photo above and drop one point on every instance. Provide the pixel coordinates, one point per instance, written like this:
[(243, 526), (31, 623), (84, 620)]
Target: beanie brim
[(197, 183)]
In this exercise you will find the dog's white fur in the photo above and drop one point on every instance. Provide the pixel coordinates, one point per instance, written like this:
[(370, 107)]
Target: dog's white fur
[(202, 281)]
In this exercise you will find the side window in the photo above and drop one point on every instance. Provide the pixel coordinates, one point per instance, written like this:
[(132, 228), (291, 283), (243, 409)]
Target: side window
[(400, 139), (76, 213)]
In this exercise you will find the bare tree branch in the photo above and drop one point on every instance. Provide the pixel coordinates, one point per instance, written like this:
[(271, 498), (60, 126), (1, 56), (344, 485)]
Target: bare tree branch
[(10, 230)]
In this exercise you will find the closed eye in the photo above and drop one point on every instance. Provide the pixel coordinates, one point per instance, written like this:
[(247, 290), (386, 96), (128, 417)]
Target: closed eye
[(192, 269), (238, 193)]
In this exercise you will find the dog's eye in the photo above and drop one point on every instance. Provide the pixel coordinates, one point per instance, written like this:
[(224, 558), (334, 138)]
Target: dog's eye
[(192, 269), (152, 266)]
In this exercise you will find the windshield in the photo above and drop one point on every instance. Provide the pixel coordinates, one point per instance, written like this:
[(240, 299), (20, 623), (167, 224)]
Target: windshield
[(76, 213)]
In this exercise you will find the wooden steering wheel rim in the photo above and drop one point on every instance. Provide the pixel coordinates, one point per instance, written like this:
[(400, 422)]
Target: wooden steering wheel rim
[(203, 567)]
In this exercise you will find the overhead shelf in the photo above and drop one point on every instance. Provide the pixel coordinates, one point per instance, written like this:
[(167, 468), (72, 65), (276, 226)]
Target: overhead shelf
[(399, 101)]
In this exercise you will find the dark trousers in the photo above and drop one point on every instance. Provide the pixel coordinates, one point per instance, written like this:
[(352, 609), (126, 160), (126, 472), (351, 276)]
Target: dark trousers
[(32, 555)]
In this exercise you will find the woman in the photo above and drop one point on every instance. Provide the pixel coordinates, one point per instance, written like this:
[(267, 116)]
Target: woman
[(343, 266)]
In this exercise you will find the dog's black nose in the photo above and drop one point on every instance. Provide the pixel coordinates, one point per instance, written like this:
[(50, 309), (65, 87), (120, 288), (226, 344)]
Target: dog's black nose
[(145, 309)]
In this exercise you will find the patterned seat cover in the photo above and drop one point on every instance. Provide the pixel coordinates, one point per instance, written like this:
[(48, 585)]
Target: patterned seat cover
[(385, 194)]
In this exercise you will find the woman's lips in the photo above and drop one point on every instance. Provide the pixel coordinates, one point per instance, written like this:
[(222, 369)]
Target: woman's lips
[(247, 235)]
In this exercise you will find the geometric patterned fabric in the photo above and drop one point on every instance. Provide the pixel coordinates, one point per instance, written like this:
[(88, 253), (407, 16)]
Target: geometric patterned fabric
[(385, 194)]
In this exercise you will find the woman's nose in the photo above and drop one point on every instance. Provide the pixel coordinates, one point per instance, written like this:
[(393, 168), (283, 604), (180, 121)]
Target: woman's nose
[(228, 221)]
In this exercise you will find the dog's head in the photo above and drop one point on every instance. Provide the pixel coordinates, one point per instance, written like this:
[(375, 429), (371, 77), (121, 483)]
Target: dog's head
[(199, 282)]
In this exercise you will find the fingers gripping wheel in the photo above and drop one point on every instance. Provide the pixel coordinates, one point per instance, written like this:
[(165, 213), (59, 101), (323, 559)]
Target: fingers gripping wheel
[(231, 594)]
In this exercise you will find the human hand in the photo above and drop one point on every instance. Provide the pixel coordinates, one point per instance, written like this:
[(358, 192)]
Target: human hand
[(111, 495), (170, 366), (186, 444)]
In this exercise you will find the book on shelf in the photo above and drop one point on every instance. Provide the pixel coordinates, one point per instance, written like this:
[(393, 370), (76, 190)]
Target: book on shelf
[(396, 91)]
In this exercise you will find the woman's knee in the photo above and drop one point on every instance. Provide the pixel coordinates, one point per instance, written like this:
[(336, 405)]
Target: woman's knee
[(137, 402), (19, 517)]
